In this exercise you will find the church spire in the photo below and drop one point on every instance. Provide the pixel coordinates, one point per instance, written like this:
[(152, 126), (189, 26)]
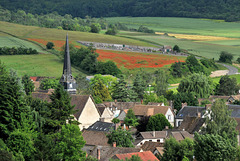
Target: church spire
[(67, 62), (67, 79)]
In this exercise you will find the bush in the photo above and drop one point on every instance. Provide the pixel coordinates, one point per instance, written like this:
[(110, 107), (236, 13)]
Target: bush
[(17, 51), (144, 29), (226, 57), (95, 28), (50, 45)]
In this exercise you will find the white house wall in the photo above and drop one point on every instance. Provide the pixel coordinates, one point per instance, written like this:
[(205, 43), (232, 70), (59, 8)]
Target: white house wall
[(170, 113), (89, 115)]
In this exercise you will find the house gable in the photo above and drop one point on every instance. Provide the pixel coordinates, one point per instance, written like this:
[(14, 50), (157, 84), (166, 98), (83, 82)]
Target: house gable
[(89, 114)]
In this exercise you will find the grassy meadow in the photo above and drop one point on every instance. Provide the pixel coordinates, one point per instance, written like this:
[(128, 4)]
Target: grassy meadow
[(36, 65)]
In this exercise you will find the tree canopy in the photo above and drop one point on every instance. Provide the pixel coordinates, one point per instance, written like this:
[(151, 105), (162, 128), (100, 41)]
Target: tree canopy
[(123, 138), (227, 86), (197, 83), (157, 122)]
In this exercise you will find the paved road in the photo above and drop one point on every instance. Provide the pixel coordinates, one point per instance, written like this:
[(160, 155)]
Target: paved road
[(232, 70)]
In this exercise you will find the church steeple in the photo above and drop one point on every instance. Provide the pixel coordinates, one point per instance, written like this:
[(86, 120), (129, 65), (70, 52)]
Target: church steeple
[(67, 79)]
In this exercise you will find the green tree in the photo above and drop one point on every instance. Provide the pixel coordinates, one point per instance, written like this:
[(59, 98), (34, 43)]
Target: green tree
[(69, 144), (13, 109), (60, 110), (130, 119), (21, 142), (120, 90), (193, 65), (213, 147), (157, 122), (108, 67), (28, 84), (227, 86), (49, 84), (176, 48), (152, 97), (50, 45), (219, 122), (115, 120), (238, 59), (197, 83), (188, 98), (175, 151), (112, 30), (161, 83), (139, 86), (95, 27), (83, 87), (226, 57), (179, 69), (123, 138), (142, 123), (101, 91)]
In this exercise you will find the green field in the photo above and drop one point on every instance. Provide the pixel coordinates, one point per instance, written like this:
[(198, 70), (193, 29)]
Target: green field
[(55, 34), (36, 65), (182, 25), (10, 41)]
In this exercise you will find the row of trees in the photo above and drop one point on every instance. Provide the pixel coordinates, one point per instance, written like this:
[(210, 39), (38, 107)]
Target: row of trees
[(215, 9), (31, 129), (17, 51)]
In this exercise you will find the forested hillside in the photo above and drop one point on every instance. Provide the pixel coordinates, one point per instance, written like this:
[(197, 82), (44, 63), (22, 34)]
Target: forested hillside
[(214, 9)]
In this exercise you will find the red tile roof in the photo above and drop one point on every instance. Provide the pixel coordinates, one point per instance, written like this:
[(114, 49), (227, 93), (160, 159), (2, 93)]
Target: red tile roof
[(145, 156), (33, 78), (149, 110)]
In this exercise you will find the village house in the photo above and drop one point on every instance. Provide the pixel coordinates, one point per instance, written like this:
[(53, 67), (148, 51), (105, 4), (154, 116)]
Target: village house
[(145, 156), (150, 110), (191, 111), (160, 136), (86, 110), (104, 153), (94, 138), (192, 124), (106, 114), (233, 98), (102, 126)]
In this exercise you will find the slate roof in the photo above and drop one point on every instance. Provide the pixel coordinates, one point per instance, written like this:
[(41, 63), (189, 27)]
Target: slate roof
[(235, 110), (78, 100), (95, 137), (145, 156), (191, 124), (151, 135), (151, 146), (107, 152), (191, 111), (180, 135), (149, 110), (101, 126)]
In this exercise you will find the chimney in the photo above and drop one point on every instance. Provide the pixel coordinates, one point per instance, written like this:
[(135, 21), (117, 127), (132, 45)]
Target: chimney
[(166, 127), (102, 119), (199, 114), (153, 133), (114, 144), (115, 100), (184, 104), (98, 153), (141, 101)]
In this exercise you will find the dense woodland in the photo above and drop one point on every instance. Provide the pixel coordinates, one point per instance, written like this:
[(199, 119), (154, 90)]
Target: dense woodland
[(215, 9)]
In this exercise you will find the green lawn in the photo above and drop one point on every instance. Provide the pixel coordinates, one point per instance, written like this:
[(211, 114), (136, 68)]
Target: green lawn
[(36, 65)]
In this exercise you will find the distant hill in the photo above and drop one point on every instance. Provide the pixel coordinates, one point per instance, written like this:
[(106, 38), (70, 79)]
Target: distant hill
[(214, 9)]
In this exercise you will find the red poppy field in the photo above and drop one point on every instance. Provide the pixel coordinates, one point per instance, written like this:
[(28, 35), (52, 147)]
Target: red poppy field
[(131, 60)]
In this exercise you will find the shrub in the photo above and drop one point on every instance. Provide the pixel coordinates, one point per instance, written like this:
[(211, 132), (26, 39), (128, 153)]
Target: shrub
[(50, 45)]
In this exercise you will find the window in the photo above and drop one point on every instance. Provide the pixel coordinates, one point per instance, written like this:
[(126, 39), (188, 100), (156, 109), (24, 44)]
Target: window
[(179, 123), (150, 140), (169, 117), (158, 140)]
